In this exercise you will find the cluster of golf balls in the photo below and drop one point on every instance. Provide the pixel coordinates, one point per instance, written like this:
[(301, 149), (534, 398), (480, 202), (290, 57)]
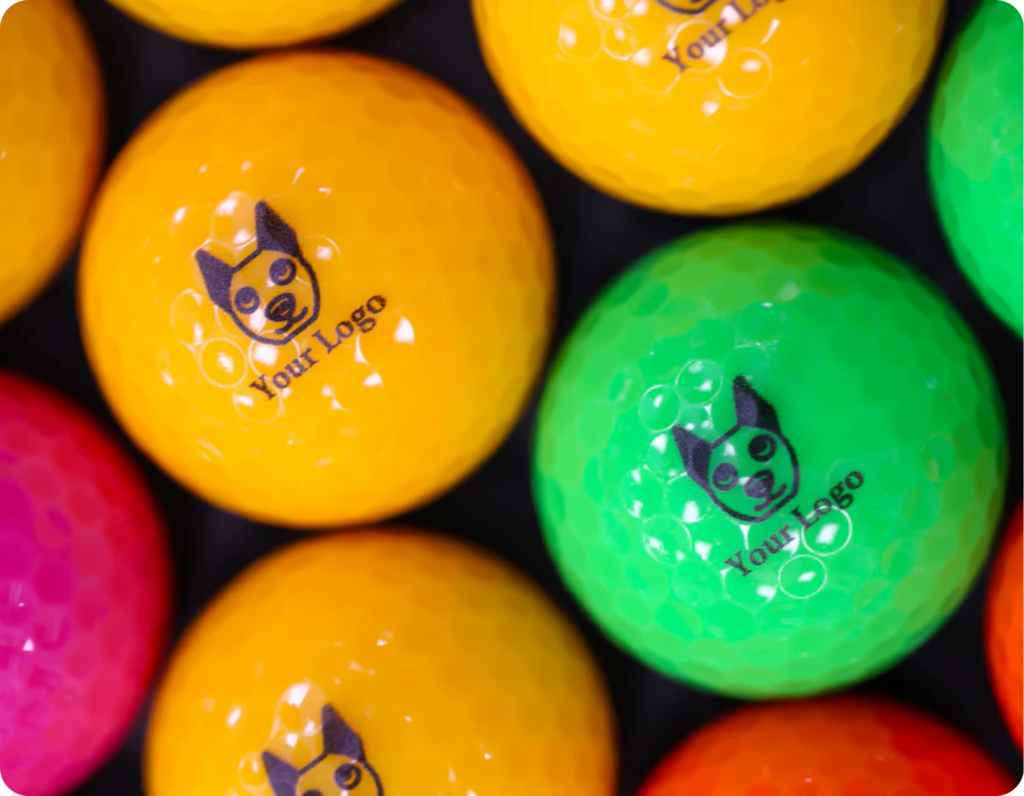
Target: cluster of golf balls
[(318, 289)]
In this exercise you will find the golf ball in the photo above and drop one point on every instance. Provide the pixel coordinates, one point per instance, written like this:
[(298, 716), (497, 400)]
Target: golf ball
[(84, 582), (770, 460), (1004, 627), (977, 156), (835, 746), (336, 297), (709, 106), (243, 24), (51, 142), (381, 661)]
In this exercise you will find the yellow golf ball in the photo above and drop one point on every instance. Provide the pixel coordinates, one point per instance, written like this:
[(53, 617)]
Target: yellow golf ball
[(52, 124), (244, 24), (709, 106), (317, 288), (384, 661)]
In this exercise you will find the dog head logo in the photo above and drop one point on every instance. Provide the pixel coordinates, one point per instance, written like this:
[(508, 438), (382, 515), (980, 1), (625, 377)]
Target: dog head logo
[(271, 295), (340, 770), (687, 6), (751, 471)]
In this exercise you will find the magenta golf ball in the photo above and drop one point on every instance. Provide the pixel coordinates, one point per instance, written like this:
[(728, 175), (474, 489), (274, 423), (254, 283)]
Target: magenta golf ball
[(84, 591)]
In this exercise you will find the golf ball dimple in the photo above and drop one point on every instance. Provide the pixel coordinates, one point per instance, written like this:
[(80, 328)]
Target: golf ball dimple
[(84, 591), (240, 24), (715, 107), (841, 745), (51, 142), (381, 661), (337, 297), (770, 460), (976, 156)]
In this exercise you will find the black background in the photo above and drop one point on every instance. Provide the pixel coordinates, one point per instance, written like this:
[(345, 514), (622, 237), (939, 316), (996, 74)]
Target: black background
[(886, 200)]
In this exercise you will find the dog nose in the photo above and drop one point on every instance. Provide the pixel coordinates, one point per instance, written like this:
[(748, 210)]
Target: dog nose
[(760, 484), (281, 307)]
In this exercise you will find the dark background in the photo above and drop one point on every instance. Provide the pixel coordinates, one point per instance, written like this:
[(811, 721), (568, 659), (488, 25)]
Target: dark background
[(886, 201)]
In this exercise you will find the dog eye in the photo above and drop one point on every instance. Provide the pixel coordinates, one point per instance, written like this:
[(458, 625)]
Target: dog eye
[(762, 447), (725, 477), (348, 776), (247, 301), (282, 271)]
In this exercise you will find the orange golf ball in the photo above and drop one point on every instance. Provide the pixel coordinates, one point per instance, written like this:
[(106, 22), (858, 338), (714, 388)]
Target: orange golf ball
[(242, 24), (385, 661), (52, 129), (710, 107), (1004, 627), (838, 746), (317, 288)]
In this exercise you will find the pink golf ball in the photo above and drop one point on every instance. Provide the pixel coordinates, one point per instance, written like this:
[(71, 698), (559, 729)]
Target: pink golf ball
[(84, 591)]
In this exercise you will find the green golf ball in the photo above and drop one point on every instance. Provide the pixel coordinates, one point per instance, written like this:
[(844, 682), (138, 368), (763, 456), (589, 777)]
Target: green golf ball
[(976, 156), (770, 460)]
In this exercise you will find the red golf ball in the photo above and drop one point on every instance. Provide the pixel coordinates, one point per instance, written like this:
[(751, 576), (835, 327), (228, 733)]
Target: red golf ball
[(839, 746), (1004, 626), (84, 591)]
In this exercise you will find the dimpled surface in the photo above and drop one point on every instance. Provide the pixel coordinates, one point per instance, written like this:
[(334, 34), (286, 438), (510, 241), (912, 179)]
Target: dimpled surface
[(977, 156), (454, 671), (434, 269), (1004, 627), (84, 581), (843, 746), (247, 24), (885, 402), (713, 107), (51, 142)]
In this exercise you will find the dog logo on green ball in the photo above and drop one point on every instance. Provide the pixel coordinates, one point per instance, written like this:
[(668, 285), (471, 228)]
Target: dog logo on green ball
[(750, 471)]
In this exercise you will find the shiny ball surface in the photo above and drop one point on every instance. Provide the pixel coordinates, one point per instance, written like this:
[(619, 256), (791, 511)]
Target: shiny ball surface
[(770, 460), (52, 130), (242, 24), (840, 746), (976, 156), (709, 107), (84, 591), (336, 297), (385, 660), (1004, 627)]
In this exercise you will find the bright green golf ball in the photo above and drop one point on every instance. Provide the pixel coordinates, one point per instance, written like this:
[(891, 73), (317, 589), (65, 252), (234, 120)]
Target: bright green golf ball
[(977, 158), (770, 460)]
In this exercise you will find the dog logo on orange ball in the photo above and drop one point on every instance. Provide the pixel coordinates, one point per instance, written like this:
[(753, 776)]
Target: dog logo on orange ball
[(340, 769), (271, 295), (687, 6)]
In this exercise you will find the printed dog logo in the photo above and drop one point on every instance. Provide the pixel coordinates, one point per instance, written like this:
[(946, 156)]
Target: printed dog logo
[(751, 471), (687, 6), (273, 294), (341, 768)]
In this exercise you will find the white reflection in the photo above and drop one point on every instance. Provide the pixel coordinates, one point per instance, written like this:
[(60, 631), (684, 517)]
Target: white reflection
[(827, 535), (404, 333)]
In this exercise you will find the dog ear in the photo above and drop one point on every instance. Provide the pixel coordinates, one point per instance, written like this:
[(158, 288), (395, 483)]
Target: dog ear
[(751, 409), (217, 276), (273, 234), (696, 454), (284, 779), (339, 738)]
